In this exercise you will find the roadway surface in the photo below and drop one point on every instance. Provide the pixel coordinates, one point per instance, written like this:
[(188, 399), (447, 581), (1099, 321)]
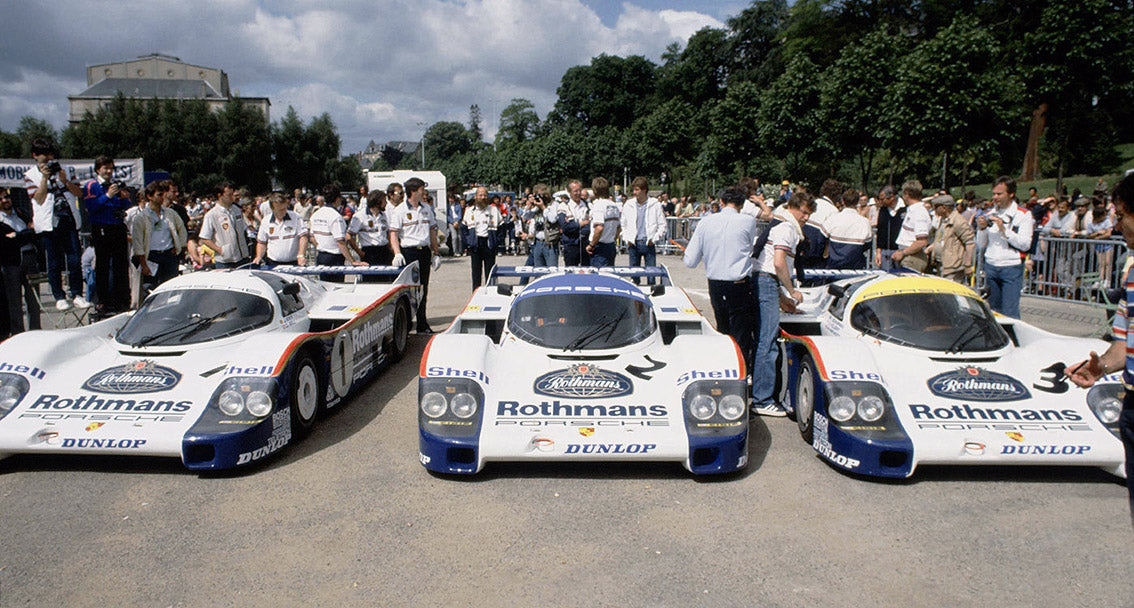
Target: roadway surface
[(349, 517)]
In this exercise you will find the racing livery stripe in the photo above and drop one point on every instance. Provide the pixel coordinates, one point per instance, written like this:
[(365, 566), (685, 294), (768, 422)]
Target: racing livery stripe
[(811, 348), (425, 356), (304, 337), (740, 359)]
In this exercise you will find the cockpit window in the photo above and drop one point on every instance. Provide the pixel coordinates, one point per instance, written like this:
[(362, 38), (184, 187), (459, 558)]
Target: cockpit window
[(581, 321), (944, 322), (191, 316)]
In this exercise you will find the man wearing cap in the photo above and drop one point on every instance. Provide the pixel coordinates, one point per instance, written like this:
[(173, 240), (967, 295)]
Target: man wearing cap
[(951, 240), (413, 238)]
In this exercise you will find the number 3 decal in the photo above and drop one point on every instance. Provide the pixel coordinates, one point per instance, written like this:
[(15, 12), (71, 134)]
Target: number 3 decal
[(1053, 379)]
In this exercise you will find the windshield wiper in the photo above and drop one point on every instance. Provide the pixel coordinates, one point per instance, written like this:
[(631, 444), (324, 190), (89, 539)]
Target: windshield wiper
[(607, 324), (194, 325)]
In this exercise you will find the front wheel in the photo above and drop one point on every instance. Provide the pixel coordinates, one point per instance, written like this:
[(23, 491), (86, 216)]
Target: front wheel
[(305, 396), (805, 399)]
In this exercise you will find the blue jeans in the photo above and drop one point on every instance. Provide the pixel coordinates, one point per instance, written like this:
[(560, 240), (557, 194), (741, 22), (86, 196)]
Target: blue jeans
[(639, 251), (764, 360), (1004, 286), (603, 255), (62, 247), (544, 254)]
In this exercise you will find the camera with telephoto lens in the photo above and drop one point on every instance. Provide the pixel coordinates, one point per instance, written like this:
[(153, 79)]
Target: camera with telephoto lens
[(53, 167)]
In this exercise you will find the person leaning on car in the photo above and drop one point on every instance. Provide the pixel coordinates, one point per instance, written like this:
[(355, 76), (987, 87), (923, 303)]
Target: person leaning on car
[(282, 237), (157, 237), (951, 241), (1120, 355), (724, 240)]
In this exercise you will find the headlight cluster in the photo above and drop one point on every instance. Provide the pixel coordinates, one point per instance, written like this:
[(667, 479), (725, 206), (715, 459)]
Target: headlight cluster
[(450, 406), (715, 407), (1105, 401), (863, 408), (13, 387), (234, 402)]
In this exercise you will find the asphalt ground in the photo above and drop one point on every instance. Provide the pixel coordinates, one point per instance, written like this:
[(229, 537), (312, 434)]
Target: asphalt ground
[(349, 517)]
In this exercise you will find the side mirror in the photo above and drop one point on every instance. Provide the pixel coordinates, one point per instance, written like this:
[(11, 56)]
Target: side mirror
[(657, 290), (291, 289), (504, 290), (837, 290)]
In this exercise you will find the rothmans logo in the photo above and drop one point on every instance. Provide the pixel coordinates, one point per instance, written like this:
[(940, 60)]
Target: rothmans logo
[(977, 384), (583, 381), (133, 378)]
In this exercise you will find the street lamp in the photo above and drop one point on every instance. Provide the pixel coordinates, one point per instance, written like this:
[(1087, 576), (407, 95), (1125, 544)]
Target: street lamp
[(422, 124)]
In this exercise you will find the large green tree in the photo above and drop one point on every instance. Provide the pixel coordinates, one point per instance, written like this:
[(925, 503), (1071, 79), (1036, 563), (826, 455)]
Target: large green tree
[(518, 122), (611, 91)]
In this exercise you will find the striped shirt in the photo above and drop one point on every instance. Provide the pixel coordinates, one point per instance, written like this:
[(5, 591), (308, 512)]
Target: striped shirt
[(1120, 331)]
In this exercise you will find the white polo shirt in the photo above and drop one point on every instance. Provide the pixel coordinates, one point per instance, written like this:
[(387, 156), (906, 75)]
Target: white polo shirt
[(328, 228), (480, 221), (371, 230), (915, 226), (226, 228), (282, 236), (413, 224), (608, 213)]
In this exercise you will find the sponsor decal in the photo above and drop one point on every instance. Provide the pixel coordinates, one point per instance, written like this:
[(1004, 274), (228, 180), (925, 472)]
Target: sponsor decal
[(968, 412), (27, 370), (541, 444), (423, 458), (1015, 437), (264, 370), (977, 384), (558, 409), (850, 374), (974, 448), (587, 422), (94, 426), (372, 331), (610, 448), (281, 435), (133, 378), (716, 374), (436, 371), (99, 404), (587, 431), (102, 417), (583, 381), (1036, 450), (822, 445), (116, 444), (645, 372), (1002, 426)]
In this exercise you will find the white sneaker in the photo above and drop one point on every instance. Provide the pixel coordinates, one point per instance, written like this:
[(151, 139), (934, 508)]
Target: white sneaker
[(770, 409), (81, 302), (62, 305)]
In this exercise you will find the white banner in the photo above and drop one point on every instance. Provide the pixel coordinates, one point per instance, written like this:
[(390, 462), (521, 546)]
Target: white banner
[(129, 170)]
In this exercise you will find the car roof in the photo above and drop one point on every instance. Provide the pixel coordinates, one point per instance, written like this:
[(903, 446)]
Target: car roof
[(888, 285), (232, 280)]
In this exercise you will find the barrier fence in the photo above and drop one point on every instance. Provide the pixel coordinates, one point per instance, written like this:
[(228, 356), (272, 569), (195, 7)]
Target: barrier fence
[(1079, 270)]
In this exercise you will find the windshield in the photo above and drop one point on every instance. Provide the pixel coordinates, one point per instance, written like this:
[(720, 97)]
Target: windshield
[(191, 316), (931, 321), (581, 321)]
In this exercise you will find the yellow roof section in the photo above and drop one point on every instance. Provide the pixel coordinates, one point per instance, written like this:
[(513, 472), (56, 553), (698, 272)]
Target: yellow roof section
[(914, 284)]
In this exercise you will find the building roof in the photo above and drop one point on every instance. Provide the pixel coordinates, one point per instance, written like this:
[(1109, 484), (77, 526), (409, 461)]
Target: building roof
[(145, 88)]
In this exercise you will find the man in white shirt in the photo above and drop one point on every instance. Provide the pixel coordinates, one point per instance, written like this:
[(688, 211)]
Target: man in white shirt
[(328, 229), (577, 227), (223, 230), (369, 230), (157, 237), (56, 219), (282, 238), (606, 220), (413, 238), (1005, 234), (775, 286), (848, 235), (914, 234), (482, 221), (643, 225)]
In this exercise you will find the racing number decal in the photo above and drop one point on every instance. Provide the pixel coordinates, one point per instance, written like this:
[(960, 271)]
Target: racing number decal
[(643, 372), (342, 363), (1053, 379)]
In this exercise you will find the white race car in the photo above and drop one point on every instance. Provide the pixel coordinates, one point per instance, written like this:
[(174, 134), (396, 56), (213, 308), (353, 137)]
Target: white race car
[(219, 369), (888, 372), (582, 364)]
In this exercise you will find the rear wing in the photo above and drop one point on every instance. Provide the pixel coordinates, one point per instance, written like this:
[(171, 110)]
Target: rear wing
[(531, 272), (819, 276), (401, 275)]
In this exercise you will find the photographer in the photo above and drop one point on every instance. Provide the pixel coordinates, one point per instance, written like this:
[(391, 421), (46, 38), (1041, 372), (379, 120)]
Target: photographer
[(55, 206), (106, 203)]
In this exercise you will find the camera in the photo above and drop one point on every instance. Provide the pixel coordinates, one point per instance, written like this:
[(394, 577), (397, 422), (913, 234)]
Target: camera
[(121, 185), (53, 167)]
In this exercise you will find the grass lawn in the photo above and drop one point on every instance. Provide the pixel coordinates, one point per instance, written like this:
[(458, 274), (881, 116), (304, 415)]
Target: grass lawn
[(1085, 183)]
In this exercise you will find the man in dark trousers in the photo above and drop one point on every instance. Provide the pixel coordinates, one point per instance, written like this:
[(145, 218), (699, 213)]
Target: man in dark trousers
[(15, 235), (106, 202)]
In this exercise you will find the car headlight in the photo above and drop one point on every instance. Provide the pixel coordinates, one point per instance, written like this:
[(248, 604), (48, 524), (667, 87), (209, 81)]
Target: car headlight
[(871, 408), (1105, 401), (12, 389), (702, 407), (463, 405), (258, 403), (434, 404), (841, 408), (231, 403), (731, 407), (1108, 410)]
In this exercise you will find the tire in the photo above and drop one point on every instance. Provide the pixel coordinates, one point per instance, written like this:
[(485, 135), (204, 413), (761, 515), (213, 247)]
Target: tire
[(804, 399), (306, 393), (399, 340)]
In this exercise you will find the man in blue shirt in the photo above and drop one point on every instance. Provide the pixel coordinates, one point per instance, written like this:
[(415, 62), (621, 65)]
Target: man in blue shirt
[(106, 203), (724, 240)]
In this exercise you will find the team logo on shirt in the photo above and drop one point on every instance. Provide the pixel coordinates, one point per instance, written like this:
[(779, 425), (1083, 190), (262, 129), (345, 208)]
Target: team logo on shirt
[(409, 216)]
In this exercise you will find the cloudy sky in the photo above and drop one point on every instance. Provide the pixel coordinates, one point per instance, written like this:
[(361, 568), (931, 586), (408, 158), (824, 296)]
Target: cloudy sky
[(380, 68)]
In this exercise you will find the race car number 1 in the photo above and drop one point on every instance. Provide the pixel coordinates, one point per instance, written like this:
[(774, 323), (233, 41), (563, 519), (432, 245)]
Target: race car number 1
[(342, 363)]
